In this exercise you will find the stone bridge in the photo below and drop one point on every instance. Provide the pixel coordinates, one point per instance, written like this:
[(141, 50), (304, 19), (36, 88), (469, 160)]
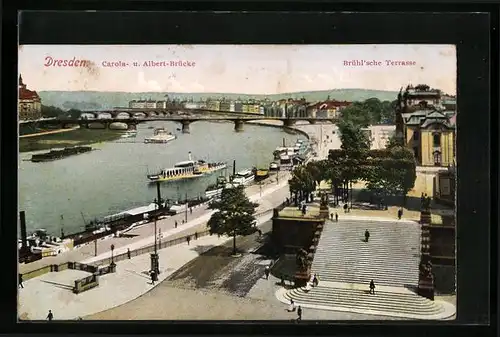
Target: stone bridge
[(184, 120)]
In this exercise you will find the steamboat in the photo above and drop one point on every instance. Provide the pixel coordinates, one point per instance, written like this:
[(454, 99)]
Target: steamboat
[(160, 136), (186, 170)]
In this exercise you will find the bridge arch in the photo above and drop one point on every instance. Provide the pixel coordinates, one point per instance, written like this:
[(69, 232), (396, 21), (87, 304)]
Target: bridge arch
[(88, 115), (122, 115), (105, 115)]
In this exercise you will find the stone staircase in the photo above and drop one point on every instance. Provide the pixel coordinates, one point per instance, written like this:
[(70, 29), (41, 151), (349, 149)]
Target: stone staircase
[(390, 257), (345, 265), (404, 305)]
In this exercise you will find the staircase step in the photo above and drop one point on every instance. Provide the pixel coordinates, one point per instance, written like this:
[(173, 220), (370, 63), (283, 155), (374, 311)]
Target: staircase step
[(353, 298)]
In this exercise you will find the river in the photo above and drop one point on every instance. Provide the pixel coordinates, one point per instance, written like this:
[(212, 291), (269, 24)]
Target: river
[(113, 178)]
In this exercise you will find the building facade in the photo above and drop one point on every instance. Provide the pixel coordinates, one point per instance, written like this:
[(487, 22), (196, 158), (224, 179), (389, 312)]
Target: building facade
[(327, 109), (29, 103), (213, 105)]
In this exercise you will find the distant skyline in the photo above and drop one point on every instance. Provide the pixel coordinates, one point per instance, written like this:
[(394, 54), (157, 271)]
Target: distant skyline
[(238, 69)]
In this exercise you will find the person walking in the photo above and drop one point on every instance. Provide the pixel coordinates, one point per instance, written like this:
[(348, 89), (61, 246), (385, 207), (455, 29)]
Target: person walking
[(153, 277), (336, 217), (50, 316), (331, 216), (128, 253), (345, 208), (267, 271), (315, 280), (196, 235), (190, 210), (372, 287), (188, 239), (21, 280), (400, 213), (291, 307), (175, 224), (299, 314), (367, 235)]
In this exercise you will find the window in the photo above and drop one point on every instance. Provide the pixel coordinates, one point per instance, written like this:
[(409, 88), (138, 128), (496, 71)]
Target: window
[(437, 158), (436, 140), (416, 135)]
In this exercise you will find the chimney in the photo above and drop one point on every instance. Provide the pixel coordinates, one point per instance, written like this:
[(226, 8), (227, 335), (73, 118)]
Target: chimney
[(234, 167), (22, 220)]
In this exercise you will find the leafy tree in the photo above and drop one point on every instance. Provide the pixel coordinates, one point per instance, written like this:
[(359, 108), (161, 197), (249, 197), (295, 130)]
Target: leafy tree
[(302, 183), (355, 141), (51, 111), (235, 214)]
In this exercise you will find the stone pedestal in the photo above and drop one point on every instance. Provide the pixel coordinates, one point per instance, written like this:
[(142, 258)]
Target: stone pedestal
[(324, 212), (302, 277)]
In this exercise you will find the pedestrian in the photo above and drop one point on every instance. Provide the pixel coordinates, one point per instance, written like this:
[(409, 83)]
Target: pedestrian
[(50, 316), (266, 271), (175, 224), (291, 307), (21, 280), (196, 235), (372, 287), (304, 208), (345, 208), (188, 238), (331, 216), (367, 235), (153, 277), (400, 213), (128, 253), (315, 281), (299, 314), (190, 210), (336, 217), (282, 280)]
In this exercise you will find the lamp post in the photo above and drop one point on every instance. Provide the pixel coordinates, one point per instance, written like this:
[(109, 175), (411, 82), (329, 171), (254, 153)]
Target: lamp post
[(112, 257)]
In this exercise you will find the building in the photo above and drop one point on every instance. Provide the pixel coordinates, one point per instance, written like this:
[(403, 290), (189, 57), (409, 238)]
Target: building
[(449, 103), (431, 135), (225, 106), (161, 104), (29, 103), (327, 109), (238, 107), (423, 125), (213, 105)]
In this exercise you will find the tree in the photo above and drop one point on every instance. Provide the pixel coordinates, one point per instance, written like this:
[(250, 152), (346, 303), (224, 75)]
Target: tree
[(235, 214), (302, 183), (52, 111)]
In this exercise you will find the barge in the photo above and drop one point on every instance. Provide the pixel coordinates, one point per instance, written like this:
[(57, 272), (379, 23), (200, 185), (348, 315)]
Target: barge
[(60, 154)]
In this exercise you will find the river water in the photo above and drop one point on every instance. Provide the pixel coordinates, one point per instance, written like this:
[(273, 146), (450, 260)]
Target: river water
[(113, 178)]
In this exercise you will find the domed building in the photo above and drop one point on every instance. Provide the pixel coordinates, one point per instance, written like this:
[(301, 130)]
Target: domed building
[(29, 103)]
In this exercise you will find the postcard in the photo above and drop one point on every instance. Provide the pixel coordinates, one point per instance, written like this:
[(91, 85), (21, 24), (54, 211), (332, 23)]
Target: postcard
[(237, 182)]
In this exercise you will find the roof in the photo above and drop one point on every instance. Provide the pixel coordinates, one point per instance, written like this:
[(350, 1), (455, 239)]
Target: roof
[(425, 118), (330, 104)]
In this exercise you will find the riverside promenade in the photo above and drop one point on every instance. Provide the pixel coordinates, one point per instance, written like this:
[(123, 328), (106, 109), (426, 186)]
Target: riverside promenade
[(144, 235)]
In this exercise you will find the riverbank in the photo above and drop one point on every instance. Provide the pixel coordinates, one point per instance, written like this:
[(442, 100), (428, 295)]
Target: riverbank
[(73, 137), (45, 133)]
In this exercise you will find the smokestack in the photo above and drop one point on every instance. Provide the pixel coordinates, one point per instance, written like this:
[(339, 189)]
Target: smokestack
[(189, 155), (284, 142), (234, 167), (24, 235), (158, 193)]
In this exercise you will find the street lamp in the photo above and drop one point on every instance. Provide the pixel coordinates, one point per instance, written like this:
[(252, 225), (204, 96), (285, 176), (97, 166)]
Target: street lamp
[(112, 257)]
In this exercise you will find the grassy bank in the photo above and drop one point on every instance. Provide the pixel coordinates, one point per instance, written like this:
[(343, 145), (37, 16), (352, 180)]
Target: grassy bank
[(72, 138)]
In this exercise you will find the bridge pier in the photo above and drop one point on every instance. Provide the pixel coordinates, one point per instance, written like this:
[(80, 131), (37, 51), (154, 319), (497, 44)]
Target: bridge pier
[(238, 125), (185, 126), (288, 123)]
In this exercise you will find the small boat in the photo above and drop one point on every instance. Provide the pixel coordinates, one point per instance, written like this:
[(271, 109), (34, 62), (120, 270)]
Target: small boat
[(215, 190), (261, 174), (129, 134), (160, 136), (186, 170), (243, 177), (273, 166)]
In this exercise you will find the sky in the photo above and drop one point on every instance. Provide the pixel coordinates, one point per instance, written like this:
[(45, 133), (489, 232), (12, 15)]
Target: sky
[(246, 69)]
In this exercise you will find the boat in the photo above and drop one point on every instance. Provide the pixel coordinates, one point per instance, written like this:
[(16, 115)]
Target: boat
[(215, 190), (243, 177), (273, 166), (59, 154), (286, 161), (261, 174), (186, 170), (129, 134), (160, 136)]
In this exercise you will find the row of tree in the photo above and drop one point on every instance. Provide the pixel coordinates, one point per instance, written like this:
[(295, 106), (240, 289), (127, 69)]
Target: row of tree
[(387, 172), (52, 111), (369, 112)]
